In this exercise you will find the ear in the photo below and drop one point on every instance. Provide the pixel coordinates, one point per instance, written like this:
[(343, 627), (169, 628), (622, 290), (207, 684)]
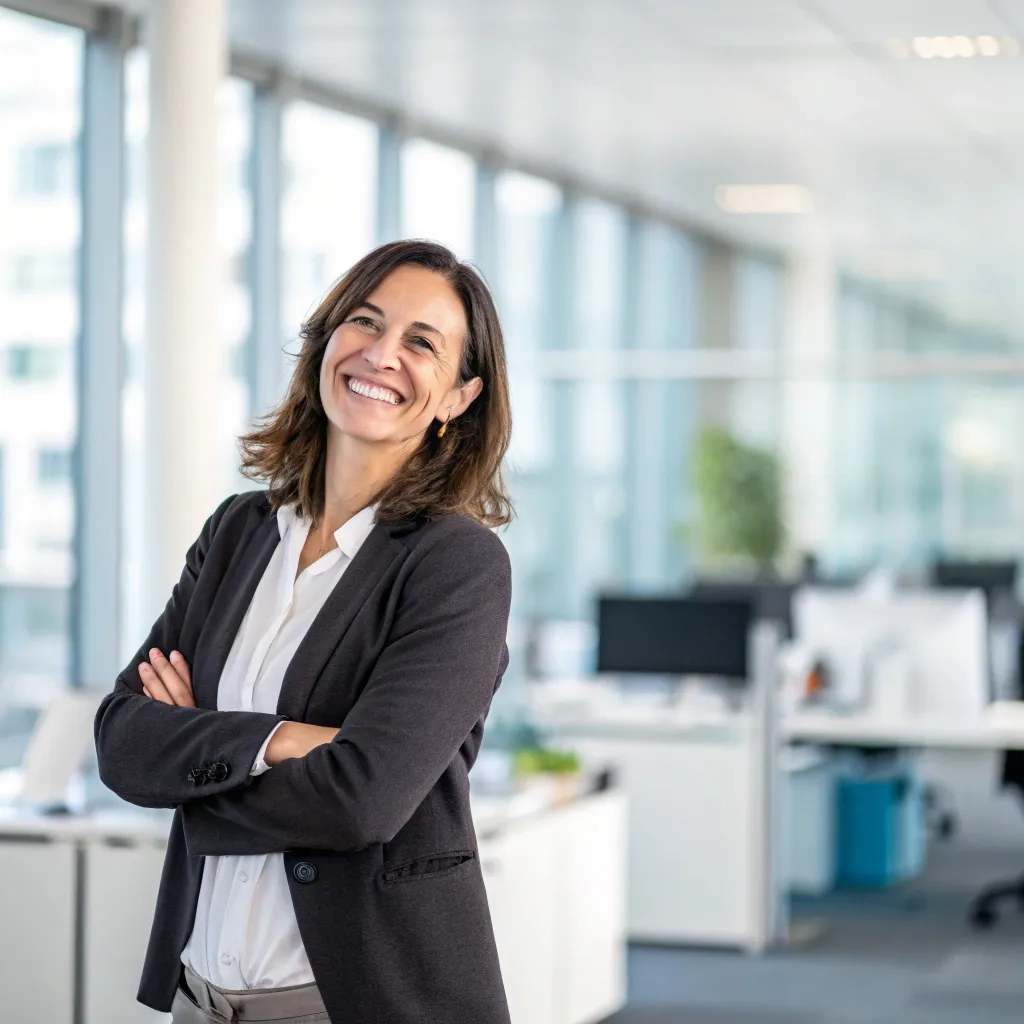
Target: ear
[(461, 398)]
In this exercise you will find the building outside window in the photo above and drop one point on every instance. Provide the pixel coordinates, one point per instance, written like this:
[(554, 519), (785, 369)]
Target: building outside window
[(40, 123), (46, 169), (329, 205), (438, 186)]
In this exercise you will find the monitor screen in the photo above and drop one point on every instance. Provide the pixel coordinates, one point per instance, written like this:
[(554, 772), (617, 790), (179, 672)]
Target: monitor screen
[(674, 635), (772, 600), (987, 576)]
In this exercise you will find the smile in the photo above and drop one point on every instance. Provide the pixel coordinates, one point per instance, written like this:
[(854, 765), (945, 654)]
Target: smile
[(374, 391)]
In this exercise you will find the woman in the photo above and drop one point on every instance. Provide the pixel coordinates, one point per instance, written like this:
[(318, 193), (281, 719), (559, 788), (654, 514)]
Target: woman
[(313, 696)]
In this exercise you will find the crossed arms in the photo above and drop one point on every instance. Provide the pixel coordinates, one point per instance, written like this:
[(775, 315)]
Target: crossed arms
[(341, 789)]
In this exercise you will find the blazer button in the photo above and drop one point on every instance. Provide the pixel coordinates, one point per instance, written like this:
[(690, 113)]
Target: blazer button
[(304, 872), (217, 772)]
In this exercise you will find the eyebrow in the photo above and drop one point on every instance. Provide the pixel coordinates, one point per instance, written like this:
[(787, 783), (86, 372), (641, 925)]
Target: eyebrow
[(417, 325)]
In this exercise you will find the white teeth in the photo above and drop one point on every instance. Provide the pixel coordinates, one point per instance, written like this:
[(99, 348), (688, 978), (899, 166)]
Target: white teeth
[(379, 394)]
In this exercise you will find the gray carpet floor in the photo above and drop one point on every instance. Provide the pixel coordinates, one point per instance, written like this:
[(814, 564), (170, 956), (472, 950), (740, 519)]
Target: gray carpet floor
[(905, 956)]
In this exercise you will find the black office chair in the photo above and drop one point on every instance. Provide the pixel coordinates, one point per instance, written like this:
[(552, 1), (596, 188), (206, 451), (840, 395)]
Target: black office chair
[(984, 913)]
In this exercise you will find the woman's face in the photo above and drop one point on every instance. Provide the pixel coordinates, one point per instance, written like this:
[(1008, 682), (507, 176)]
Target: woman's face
[(391, 367)]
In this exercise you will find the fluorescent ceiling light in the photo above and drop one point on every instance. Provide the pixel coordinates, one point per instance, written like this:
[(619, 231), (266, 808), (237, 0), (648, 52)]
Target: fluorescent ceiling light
[(764, 198), (950, 47)]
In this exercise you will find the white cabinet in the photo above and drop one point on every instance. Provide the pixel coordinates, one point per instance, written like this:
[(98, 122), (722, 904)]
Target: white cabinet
[(693, 855), (37, 909), (556, 885), (121, 885), (519, 870), (591, 926)]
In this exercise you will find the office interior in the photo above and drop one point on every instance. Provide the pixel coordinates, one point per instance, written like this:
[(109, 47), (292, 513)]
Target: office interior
[(757, 753)]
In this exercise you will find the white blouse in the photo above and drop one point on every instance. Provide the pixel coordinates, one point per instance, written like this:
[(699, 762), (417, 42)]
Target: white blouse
[(245, 934)]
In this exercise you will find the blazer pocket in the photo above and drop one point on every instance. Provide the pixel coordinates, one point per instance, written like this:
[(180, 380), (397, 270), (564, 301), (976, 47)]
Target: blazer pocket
[(433, 866)]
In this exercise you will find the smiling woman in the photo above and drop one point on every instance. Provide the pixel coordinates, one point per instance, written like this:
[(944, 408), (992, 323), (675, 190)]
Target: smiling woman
[(314, 695), (413, 320)]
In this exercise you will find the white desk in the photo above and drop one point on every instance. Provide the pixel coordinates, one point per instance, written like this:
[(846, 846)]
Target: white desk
[(1001, 727)]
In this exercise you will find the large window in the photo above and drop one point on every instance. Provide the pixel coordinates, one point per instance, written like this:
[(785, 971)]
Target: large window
[(329, 206), (591, 412), (925, 463), (663, 410), (528, 220), (438, 190), (40, 123)]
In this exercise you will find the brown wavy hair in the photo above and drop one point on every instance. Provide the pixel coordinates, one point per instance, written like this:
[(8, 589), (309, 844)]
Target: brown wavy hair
[(460, 472)]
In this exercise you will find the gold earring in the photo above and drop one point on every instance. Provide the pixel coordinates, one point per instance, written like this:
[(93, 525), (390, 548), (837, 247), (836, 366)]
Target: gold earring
[(444, 427)]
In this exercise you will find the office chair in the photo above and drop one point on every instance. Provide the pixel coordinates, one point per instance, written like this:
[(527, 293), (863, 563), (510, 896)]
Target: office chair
[(983, 913)]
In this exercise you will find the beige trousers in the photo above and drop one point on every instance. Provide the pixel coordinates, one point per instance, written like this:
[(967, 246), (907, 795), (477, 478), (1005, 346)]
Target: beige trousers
[(199, 1002)]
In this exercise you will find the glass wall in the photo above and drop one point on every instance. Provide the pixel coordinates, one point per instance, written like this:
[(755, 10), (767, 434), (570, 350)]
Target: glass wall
[(663, 412), (437, 195), (925, 463), (529, 216), (40, 218), (328, 206)]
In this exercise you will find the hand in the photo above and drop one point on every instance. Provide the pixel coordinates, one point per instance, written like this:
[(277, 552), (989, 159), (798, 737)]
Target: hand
[(167, 680), (297, 739)]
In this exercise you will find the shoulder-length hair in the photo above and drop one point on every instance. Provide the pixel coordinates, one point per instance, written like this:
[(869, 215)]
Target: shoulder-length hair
[(460, 472)]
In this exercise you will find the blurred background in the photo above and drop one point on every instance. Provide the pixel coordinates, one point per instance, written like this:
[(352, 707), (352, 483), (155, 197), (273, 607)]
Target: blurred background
[(758, 266)]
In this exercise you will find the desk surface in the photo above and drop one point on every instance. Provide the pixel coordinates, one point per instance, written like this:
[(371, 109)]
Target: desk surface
[(492, 813), (590, 709), (1001, 727)]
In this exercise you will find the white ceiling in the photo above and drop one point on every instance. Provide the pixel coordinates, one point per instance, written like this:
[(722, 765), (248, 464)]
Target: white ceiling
[(665, 99)]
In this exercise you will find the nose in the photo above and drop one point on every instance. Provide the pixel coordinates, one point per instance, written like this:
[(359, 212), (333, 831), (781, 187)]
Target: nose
[(382, 352)]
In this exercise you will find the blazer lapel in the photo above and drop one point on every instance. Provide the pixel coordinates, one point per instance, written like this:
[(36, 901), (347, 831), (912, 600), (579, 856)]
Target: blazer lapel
[(326, 630), (229, 607)]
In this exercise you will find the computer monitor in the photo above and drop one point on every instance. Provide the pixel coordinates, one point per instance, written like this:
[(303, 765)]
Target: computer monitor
[(965, 574), (942, 635), (772, 599), (674, 636)]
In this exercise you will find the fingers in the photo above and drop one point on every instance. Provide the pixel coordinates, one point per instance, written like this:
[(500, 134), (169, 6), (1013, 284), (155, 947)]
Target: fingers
[(168, 681), (181, 667), (152, 685)]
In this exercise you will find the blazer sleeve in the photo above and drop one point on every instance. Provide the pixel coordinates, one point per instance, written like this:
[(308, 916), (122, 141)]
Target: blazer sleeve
[(432, 683), (158, 755)]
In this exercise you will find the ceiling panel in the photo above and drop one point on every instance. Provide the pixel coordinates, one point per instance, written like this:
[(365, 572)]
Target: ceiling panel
[(665, 99), (737, 24), (877, 20)]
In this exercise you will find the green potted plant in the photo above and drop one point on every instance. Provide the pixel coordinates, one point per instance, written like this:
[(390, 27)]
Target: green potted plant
[(739, 498)]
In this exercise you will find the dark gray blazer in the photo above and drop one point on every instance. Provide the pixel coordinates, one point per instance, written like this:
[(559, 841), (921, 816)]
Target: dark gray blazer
[(375, 827)]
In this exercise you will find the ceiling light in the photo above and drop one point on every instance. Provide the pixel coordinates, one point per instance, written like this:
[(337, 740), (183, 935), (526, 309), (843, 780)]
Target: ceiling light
[(924, 46), (988, 46), (949, 47), (764, 198), (963, 46)]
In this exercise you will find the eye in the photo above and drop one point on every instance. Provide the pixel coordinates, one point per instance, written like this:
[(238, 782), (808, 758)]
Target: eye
[(363, 321), (421, 342)]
